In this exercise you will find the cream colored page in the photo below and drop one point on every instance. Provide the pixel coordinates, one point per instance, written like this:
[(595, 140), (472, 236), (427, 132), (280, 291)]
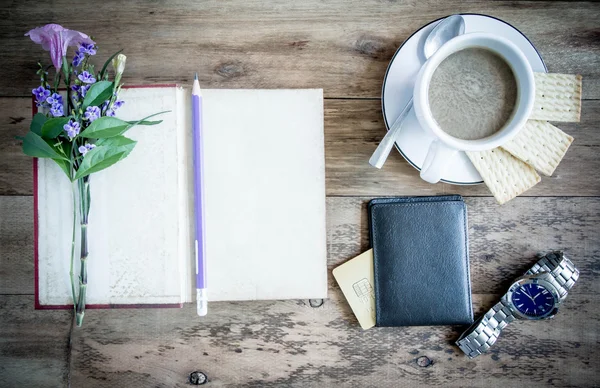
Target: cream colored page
[(265, 194), (186, 197), (134, 223)]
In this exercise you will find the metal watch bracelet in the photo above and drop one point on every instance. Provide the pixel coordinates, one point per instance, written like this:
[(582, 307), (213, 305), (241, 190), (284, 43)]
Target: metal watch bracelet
[(482, 334), (564, 274)]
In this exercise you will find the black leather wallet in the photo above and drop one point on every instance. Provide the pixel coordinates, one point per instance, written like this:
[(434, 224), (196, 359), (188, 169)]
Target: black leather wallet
[(421, 261)]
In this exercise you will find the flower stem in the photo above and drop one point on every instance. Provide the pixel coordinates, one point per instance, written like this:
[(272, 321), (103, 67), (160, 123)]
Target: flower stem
[(80, 310), (84, 208), (73, 245)]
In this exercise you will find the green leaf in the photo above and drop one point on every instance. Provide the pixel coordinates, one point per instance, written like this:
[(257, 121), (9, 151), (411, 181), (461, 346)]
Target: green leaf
[(66, 148), (145, 122), (34, 145), (54, 127), (108, 62), (98, 93), (36, 124), (117, 141), (65, 166), (120, 143), (105, 127), (106, 153)]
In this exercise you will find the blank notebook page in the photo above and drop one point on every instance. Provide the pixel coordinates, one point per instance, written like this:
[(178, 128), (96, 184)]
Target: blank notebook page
[(265, 194), (264, 205)]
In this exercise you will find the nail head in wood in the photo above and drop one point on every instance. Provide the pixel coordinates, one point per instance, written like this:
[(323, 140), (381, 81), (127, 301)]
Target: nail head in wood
[(424, 361), (198, 378), (316, 302)]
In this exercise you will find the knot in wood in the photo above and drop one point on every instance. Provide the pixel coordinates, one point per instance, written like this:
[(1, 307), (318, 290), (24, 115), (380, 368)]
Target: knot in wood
[(230, 69), (371, 46)]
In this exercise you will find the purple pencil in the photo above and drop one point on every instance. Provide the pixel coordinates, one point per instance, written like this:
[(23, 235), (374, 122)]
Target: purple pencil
[(201, 294)]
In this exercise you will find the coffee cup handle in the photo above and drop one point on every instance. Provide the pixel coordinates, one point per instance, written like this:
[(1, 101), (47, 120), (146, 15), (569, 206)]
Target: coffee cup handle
[(436, 161)]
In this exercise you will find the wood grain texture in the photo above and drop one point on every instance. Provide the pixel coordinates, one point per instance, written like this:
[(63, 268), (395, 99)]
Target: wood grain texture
[(16, 245), (503, 239), (341, 46), (34, 345), (289, 343), (16, 174), (353, 129), (344, 47)]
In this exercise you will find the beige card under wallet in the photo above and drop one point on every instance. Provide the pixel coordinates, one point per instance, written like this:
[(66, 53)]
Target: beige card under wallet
[(356, 280)]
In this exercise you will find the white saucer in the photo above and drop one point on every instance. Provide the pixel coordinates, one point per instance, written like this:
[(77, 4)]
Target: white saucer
[(398, 84)]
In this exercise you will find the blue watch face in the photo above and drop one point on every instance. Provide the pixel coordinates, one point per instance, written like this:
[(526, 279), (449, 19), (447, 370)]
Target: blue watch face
[(533, 300)]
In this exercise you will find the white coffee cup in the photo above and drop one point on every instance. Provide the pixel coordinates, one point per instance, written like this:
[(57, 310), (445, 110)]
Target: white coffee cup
[(445, 146)]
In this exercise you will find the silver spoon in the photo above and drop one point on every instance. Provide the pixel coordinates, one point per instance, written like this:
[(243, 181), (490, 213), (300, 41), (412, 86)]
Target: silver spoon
[(450, 27)]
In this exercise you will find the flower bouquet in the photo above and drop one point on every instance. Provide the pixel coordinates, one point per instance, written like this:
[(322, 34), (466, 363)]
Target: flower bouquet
[(77, 128)]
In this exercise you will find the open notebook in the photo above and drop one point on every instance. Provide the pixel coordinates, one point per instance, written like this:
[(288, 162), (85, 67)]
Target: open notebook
[(265, 204)]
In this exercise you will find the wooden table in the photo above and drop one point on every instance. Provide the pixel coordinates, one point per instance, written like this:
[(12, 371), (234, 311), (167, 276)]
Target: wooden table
[(343, 47)]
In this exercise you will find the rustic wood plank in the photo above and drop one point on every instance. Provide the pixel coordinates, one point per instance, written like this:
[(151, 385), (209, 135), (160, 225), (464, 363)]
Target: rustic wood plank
[(16, 245), (503, 240), (353, 128), (16, 174), (341, 46), (274, 344), (34, 345)]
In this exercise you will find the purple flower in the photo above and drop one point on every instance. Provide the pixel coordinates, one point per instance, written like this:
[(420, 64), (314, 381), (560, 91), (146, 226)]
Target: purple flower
[(41, 94), (57, 110), (84, 90), (76, 89), (92, 113), (85, 148), (75, 96), (56, 104), (105, 109), (116, 105), (80, 90), (56, 39), (79, 57), (87, 48), (54, 99), (86, 78), (72, 128)]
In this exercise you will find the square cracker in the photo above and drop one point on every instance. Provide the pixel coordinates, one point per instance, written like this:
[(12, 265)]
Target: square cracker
[(505, 175), (541, 145), (557, 97)]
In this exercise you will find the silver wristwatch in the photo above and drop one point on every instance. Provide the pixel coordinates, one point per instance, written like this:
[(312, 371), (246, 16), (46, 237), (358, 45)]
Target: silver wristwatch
[(536, 295)]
